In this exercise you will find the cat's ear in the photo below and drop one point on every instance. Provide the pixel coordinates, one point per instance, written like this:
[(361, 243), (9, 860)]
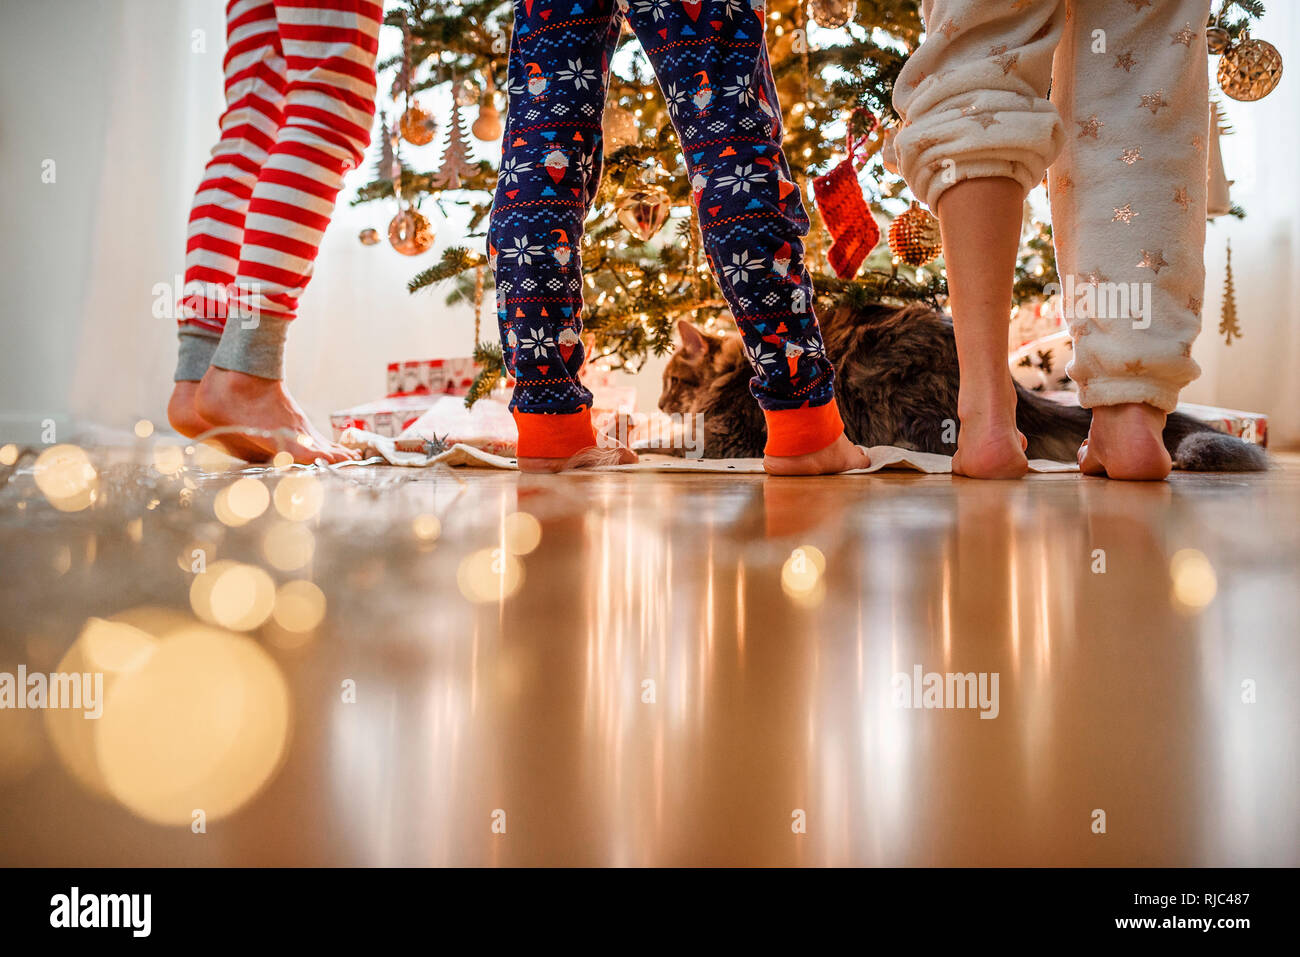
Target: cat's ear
[(693, 343)]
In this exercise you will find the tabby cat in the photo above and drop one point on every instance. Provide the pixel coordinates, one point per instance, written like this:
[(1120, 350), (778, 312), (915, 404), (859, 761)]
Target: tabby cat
[(896, 384)]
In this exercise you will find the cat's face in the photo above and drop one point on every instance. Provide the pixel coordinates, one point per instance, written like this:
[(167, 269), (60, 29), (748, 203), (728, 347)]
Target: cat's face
[(689, 371)]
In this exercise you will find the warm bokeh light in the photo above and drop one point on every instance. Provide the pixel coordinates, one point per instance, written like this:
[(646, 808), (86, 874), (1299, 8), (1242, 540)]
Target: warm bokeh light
[(299, 606), (8, 454), (65, 476), (299, 497), (168, 459), (490, 574), (801, 575), (288, 546), (426, 527), (248, 498), (522, 532), (282, 459), (144, 428), (202, 725), (111, 648), (233, 595), (1194, 581)]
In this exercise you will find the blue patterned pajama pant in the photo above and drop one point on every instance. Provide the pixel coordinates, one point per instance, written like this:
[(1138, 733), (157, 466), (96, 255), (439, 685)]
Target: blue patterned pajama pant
[(712, 65)]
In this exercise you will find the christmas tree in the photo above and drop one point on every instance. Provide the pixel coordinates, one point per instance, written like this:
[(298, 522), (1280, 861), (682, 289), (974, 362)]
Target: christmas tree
[(835, 62)]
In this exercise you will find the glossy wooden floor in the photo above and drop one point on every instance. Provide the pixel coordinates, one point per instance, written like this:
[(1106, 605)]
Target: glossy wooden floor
[(675, 677)]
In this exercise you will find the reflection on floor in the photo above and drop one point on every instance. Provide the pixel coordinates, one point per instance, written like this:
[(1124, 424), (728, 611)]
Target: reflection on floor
[(651, 669)]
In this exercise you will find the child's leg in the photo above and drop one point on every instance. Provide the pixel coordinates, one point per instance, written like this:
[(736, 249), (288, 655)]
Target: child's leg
[(550, 167), (254, 85), (979, 134), (717, 82), (329, 48), (1128, 209), (980, 221)]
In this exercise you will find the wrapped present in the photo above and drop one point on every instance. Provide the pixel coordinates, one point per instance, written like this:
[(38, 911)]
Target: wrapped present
[(1248, 426), (431, 376), (416, 407), (387, 417)]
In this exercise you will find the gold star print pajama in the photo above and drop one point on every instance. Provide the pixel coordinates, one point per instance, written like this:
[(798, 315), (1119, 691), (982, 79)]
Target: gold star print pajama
[(1124, 134)]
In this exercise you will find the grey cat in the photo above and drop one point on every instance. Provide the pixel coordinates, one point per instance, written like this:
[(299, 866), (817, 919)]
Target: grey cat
[(896, 384)]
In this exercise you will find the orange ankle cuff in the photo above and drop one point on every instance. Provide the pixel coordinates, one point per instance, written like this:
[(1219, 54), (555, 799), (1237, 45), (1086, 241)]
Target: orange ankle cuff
[(801, 431), (548, 436)]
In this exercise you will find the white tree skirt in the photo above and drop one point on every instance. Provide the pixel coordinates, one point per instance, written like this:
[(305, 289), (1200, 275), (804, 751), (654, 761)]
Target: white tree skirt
[(882, 457)]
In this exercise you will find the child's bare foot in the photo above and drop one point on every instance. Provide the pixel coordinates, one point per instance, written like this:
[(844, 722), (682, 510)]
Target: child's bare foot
[(989, 446), (615, 454), (993, 454), (840, 456), (185, 419), (228, 398), (1125, 442)]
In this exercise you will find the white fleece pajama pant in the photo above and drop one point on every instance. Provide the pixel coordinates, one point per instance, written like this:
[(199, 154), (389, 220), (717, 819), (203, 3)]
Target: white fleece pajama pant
[(1124, 134)]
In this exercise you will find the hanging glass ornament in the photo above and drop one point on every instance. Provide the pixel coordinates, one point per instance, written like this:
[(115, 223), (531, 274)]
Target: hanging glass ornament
[(1217, 40), (1250, 69), (410, 232), (643, 209), (832, 14), (368, 236), (914, 236)]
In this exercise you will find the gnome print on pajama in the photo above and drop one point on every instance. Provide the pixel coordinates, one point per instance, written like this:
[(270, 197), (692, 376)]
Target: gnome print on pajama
[(711, 62)]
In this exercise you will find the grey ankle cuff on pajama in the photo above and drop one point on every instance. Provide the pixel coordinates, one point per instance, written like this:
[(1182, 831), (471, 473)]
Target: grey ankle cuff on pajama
[(194, 351), (258, 350)]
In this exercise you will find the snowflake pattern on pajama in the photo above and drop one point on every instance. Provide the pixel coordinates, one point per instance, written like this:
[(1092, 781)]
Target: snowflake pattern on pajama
[(712, 65)]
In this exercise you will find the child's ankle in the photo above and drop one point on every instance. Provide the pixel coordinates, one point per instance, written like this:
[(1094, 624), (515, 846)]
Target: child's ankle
[(988, 405)]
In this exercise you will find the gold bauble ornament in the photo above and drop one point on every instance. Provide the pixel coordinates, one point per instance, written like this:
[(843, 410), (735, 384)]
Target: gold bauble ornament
[(418, 125), (1250, 69), (620, 128), (832, 14), (410, 232), (1217, 40), (368, 236), (643, 210), (914, 236)]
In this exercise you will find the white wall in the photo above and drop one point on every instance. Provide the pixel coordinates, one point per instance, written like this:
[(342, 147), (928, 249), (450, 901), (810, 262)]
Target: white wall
[(113, 93)]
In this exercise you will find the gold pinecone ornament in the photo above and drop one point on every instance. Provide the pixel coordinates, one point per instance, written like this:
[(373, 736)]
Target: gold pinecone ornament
[(1249, 70), (914, 236)]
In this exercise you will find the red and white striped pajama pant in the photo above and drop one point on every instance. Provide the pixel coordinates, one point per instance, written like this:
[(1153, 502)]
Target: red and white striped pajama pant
[(300, 101)]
